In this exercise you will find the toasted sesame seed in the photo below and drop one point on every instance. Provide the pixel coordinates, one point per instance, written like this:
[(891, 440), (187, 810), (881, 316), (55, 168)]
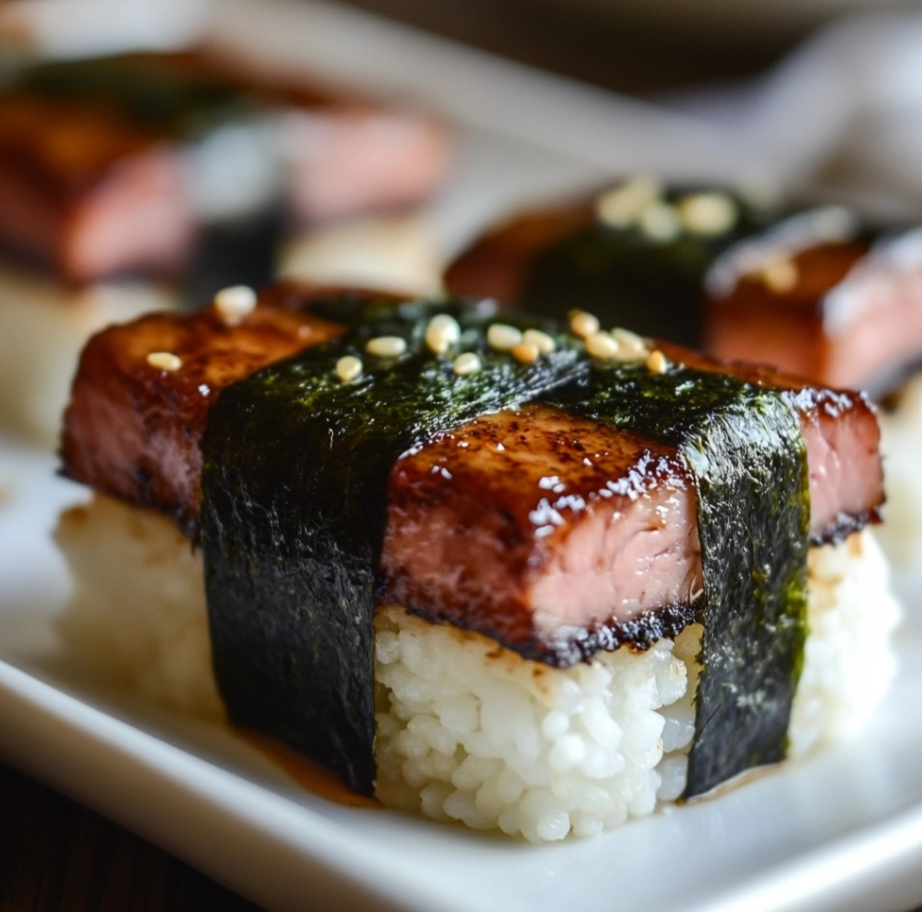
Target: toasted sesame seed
[(583, 324), (660, 222), (348, 368), (235, 302), (541, 340), (525, 353), (502, 337), (781, 276), (623, 205), (386, 346), (707, 214), (602, 346), (442, 332), (631, 347), (466, 363), (164, 361), (656, 362)]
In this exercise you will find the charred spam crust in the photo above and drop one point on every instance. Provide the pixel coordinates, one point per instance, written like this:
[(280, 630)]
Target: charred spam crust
[(151, 420), (845, 524), (501, 497), (572, 645)]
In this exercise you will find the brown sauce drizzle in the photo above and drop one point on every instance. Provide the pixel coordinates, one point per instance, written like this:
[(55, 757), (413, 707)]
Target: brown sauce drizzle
[(311, 777)]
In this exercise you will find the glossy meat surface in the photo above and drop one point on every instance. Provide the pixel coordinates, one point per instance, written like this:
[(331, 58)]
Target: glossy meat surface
[(538, 528), (842, 438), (133, 430), (852, 316), (545, 530)]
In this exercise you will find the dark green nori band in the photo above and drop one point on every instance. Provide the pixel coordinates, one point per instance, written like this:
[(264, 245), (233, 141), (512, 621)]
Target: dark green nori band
[(744, 446), (628, 278), (293, 513), (176, 102), (294, 508)]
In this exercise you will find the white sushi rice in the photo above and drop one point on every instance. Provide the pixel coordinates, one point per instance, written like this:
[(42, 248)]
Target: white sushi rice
[(391, 253), (852, 615), (471, 732), (900, 444), (137, 612), (467, 730)]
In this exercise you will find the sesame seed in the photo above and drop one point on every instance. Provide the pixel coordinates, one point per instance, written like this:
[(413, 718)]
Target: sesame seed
[(348, 368), (442, 332), (386, 346), (525, 353), (502, 337), (707, 214), (660, 222), (235, 303), (602, 346), (541, 340), (584, 324), (656, 362), (467, 363), (164, 361), (623, 205), (631, 347), (781, 276)]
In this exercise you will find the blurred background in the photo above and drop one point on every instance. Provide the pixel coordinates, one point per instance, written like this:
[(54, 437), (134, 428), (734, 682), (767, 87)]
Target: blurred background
[(641, 46)]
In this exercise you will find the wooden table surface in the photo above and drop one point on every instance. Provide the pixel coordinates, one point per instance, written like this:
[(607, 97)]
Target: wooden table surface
[(58, 856)]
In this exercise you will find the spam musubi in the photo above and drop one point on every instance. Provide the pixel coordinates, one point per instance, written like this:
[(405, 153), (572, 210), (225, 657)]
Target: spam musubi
[(480, 566)]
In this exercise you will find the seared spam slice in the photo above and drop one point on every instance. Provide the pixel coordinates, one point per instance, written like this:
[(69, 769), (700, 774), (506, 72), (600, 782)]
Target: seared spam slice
[(133, 428), (841, 435), (90, 194), (846, 313), (153, 459), (546, 531)]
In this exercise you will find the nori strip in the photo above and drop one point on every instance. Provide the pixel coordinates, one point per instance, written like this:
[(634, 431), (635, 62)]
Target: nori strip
[(744, 447), (628, 278), (294, 486), (178, 102)]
